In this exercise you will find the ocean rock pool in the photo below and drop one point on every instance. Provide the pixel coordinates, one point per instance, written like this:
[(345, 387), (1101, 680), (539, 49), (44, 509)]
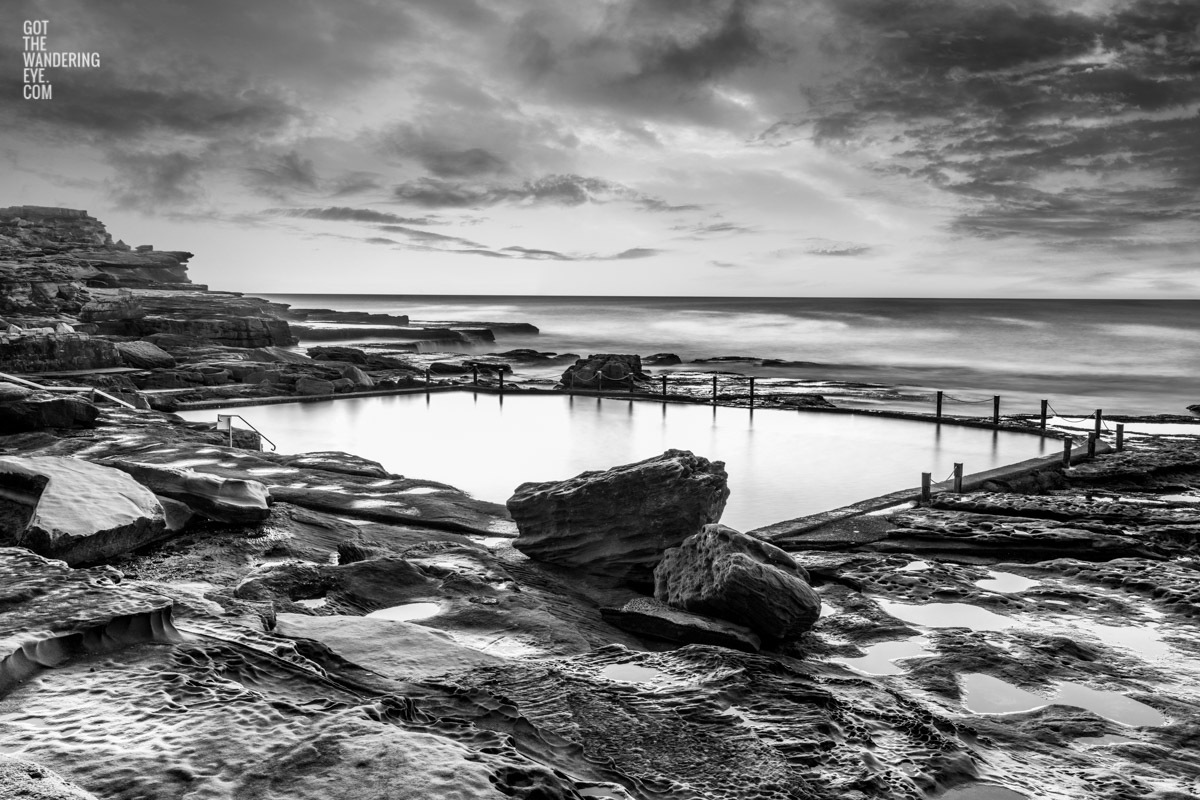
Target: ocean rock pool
[(781, 464)]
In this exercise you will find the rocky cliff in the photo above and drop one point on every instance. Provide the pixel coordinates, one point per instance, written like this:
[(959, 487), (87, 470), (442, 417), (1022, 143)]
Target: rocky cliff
[(61, 267)]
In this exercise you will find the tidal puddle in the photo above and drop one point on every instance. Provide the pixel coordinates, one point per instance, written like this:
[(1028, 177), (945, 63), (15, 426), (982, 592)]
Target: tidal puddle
[(630, 673), (915, 566), (948, 615), (983, 791), (406, 612), (984, 694), (1144, 640), (1005, 583), (880, 658)]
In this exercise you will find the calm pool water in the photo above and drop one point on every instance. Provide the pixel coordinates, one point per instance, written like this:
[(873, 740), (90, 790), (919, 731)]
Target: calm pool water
[(781, 464)]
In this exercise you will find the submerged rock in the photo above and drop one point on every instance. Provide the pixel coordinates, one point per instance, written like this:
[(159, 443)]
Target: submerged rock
[(618, 522), (78, 511), (726, 574)]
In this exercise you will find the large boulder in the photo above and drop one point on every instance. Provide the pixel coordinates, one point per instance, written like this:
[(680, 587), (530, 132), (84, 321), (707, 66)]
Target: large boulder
[(606, 371), (231, 500), (722, 573), (145, 355), (618, 522), (76, 511)]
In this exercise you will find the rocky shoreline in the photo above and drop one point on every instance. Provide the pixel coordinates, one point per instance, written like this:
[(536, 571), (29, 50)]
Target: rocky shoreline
[(181, 617)]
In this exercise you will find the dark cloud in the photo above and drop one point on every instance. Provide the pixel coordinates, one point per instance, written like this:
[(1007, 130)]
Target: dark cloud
[(152, 181), (345, 214), (428, 236), (287, 174), (648, 59), (1055, 125), (840, 250), (567, 190)]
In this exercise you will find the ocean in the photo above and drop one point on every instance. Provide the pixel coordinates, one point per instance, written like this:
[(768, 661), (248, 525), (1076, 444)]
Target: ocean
[(1124, 356)]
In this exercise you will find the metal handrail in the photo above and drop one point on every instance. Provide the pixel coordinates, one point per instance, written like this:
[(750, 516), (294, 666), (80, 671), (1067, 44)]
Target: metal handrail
[(230, 417)]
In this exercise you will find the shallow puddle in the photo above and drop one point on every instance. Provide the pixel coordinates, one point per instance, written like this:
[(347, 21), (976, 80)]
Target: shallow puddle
[(984, 694), (407, 612), (880, 658), (316, 602), (915, 566), (630, 673), (1005, 583), (948, 615)]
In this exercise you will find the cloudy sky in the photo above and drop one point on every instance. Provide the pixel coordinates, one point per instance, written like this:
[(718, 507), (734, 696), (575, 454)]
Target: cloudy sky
[(609, 147)]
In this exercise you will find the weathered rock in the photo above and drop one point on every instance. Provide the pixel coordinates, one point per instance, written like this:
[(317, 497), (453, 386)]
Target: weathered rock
[(25, 780), (619, 522), (278, 354), (246, 332), (605, 371), (78, 511), (52, 612), (40, 411), (650, 617), (56, 352), (335, 461), (107, 305), (351, 355), (11, 392), (397, 650), (313, 386), (145, 355), (726, 574), (211, 496)]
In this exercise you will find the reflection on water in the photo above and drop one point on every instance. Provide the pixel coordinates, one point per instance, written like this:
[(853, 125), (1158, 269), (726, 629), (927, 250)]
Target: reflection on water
[(406, 612), (781, 465), (630, 673), (1005, 583), (881, 658), (987, 695), (948, 615)]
